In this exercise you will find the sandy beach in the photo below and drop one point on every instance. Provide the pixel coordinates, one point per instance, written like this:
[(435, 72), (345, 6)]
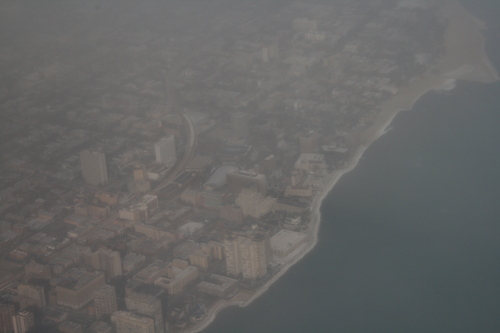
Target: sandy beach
[(465, 59)]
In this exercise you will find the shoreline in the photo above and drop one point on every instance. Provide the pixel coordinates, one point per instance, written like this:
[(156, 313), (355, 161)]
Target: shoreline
[(461, 62)]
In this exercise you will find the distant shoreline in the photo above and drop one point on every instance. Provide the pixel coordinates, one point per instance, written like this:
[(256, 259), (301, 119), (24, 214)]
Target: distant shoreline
[(465, 60)]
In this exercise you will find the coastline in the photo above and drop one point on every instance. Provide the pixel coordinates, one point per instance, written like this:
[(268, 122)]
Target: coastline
[(465, 59)]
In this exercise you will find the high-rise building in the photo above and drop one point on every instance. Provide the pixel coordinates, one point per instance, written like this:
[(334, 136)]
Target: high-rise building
[(77, 287), (129, 322), (248, 256), (147, 303), (233, 255), (29, 294), (7, 311), (106, 260), (105, 300), (23, 321), (94, 167), (165, 150)]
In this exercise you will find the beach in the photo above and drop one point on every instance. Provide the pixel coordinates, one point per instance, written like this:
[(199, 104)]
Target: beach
[(465, 59)]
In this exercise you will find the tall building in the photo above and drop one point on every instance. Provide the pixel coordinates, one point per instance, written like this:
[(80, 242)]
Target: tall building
[(106, 260), (23, 321), (129, 322), (29, 294), (148, 304), (7, 311), (248, 256), (105, 300), (94, 167), (77, 287), (165, 150)]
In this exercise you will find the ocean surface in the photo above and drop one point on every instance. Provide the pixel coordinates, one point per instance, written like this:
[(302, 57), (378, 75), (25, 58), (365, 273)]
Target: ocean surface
[(410, 239)]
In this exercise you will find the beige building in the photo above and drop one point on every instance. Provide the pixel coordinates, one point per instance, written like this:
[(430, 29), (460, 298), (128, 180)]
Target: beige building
[(23, 321), (179, 275), (105, 300), (147, 304), (129, 322), (218, 285), (311, 163), (298, 191), (29, 294), (106, 260), (141, 210), (77, 287), (247, 256)]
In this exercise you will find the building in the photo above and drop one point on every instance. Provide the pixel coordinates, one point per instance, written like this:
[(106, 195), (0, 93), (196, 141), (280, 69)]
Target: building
[(132, 261), (106, 260), (141, 210), (254, 203), (236, 180), (7, 311), (298, 191), (34, 270), (94, 167), (70, 327), (165, 150), (100, 327), (105, 300), (247, 256), (179, 275), (31, 295), (148, 304), (219, 286), (286, 241), (23, 321), (77, 286), (311, 163), (129, 322), (152, 272)]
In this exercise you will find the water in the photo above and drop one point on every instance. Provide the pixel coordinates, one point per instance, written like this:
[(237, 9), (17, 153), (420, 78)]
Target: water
[(410, 240)]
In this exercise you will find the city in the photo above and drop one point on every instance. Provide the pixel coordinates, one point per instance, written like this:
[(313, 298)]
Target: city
[(158, 159)]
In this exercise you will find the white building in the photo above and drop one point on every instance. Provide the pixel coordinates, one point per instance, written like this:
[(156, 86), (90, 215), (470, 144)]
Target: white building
[(285, 241), (165, 150)]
